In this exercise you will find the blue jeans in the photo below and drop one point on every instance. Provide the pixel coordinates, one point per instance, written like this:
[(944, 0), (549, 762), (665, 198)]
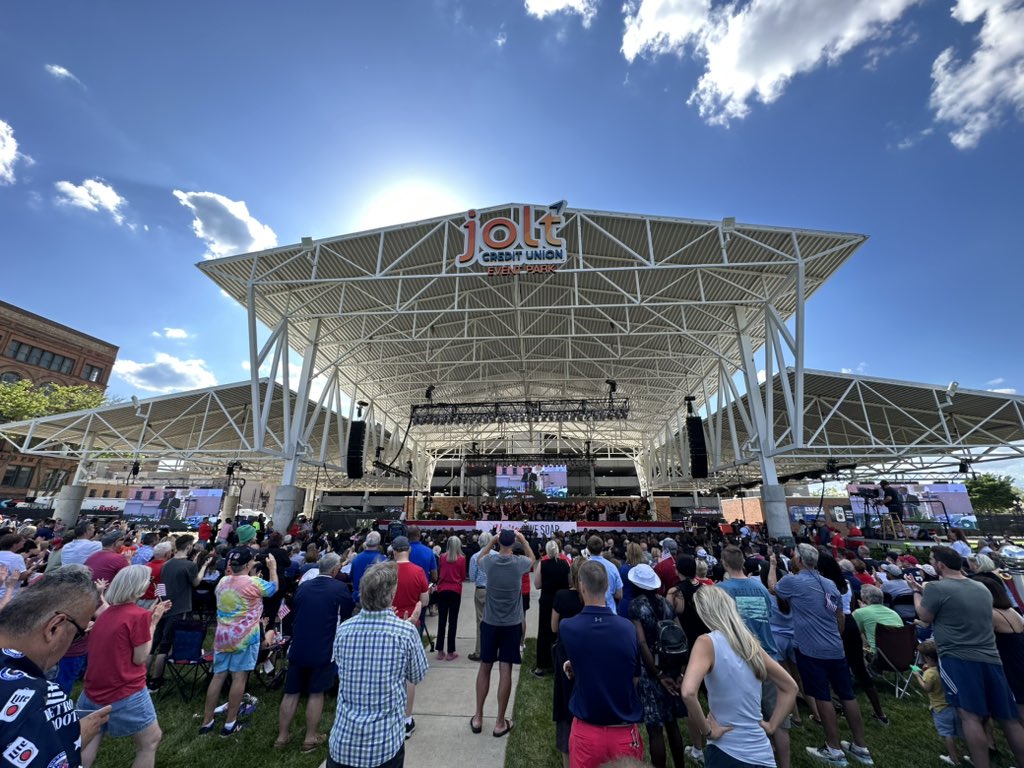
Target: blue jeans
[(716, 758), (69, 671)]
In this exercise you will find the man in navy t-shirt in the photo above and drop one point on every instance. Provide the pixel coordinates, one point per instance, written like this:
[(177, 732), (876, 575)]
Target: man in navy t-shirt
[(319, 605), (370, 555), (604, 660), (421, 554)]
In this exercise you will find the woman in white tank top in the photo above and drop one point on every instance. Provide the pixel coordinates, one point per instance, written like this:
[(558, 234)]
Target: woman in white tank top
[(732, 664)]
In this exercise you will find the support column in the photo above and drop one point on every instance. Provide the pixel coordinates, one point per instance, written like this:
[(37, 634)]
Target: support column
[(288, 501), (230, 506), (773, 495), (69, 504)]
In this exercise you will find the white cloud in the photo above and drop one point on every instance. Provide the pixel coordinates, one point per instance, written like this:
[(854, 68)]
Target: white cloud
[(9, 154), (225, 225), (1004, 391), (974, 95), (761, 376), (914, 139), (165, 374), (752, 51), (501, 39), (543, 8), (996, 381), (62, 73), (93, 195), (860, 368), (172, 333)]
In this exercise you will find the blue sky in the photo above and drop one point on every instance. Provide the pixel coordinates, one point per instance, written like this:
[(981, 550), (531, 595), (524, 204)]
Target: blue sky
[(135, 138)]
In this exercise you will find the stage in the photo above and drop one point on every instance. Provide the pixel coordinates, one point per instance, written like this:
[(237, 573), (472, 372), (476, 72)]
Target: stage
[(542, 527)]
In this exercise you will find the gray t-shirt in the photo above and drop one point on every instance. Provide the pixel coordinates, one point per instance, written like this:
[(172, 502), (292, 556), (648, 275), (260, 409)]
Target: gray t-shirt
[(963, 619), (504, 604)]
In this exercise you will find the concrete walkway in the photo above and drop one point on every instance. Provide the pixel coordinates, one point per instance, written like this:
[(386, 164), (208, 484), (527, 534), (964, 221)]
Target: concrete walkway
[(446, 700)]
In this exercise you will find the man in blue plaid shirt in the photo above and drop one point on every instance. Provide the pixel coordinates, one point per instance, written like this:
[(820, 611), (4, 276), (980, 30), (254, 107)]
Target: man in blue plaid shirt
[(377, 653)]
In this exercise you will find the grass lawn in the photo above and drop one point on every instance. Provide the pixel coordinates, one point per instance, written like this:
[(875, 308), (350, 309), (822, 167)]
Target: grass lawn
[(182, 747), (909, 742)]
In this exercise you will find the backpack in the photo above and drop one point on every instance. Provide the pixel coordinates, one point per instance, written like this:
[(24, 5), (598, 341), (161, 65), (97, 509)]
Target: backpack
[(670, 645)]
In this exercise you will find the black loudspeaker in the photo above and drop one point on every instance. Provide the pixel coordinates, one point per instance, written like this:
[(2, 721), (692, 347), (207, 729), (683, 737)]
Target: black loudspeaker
[(698, 448), (356, 442)]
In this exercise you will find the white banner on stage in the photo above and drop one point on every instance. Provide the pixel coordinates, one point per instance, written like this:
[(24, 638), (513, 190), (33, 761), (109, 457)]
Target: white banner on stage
[(540, 527)]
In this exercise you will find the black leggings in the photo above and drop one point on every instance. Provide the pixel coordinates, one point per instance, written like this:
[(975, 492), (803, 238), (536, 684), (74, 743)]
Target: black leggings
[(448, 604)]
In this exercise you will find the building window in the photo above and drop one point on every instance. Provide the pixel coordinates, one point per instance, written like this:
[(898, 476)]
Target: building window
[(106, 494), (10, 377), (26, 353), (138, 495), (91, 373), (18, 477), (152, 495), (92, 493), (54, 480), (117, 495)]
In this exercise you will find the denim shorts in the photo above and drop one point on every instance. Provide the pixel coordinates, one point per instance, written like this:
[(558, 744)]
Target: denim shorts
[(127, 716), (236, 661), (947, 723)]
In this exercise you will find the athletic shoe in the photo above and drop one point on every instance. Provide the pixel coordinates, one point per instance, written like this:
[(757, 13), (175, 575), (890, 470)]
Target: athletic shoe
[(860, 754), (453, 656), (225, 731), (947, 760), (826, 755), (697, 755), (410, 727), (441, 656), (474, 657), (208, 728), (221, 709), (882, 720)]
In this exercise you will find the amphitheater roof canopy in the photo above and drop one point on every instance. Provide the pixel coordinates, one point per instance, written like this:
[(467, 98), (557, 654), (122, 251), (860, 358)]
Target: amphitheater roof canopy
[(652, 303), (879, 425)]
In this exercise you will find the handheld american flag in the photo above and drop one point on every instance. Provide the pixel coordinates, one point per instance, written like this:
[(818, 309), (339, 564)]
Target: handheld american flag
[(283, 611), (161, 590)]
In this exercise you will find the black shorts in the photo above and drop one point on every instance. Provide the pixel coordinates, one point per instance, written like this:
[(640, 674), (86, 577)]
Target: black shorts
[(526, 602), (309, 679), (163, 635), (500, 643)]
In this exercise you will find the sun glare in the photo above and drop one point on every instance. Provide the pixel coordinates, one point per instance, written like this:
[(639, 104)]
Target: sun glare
[(409, 200)]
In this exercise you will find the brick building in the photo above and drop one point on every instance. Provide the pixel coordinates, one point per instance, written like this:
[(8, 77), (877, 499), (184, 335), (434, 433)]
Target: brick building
[(44, 352)]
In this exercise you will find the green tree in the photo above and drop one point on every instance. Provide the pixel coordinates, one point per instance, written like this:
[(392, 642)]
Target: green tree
[(22, 400), (992, 493)]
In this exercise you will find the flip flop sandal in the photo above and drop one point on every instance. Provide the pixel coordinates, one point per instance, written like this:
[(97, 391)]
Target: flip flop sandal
[(278, 744), (499, 734), (311, 746), (475, 728)]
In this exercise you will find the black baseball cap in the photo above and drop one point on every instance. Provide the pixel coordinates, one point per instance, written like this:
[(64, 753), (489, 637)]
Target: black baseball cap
[(239, 556)]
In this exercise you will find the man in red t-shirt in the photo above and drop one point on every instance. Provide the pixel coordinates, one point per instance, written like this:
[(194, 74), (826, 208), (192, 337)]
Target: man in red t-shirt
[(205, 532), (107, 562), (666, 566), (411, 598)]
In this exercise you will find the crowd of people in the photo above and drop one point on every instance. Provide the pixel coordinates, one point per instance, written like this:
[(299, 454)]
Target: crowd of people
[(632, 629)]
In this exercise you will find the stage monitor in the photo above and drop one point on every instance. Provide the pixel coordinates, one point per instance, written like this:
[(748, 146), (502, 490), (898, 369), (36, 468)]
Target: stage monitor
[(550, 479)]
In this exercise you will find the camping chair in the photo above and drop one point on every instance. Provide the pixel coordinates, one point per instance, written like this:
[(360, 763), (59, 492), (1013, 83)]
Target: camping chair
[(895, 651), (272, 663), (191, 668)]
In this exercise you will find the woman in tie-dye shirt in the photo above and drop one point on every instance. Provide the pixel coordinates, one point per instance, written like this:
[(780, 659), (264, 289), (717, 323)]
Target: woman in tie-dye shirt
[(236, 642)]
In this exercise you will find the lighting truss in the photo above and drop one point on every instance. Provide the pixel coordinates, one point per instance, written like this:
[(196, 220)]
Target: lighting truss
[(389, 470), (518, 411), (489, 460)]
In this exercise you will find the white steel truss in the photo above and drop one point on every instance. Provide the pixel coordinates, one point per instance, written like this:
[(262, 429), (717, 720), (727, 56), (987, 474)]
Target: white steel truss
[(883, 426)]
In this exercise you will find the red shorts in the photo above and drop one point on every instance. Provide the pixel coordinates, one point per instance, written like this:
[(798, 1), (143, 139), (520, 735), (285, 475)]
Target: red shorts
[(591, 746)]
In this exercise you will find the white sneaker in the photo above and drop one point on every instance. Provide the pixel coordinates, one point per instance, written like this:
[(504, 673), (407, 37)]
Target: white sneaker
[(860, 754), (826, 755), (697, 755)]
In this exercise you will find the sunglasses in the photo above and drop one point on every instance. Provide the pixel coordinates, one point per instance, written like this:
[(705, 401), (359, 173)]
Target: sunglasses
[(79, 630)]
